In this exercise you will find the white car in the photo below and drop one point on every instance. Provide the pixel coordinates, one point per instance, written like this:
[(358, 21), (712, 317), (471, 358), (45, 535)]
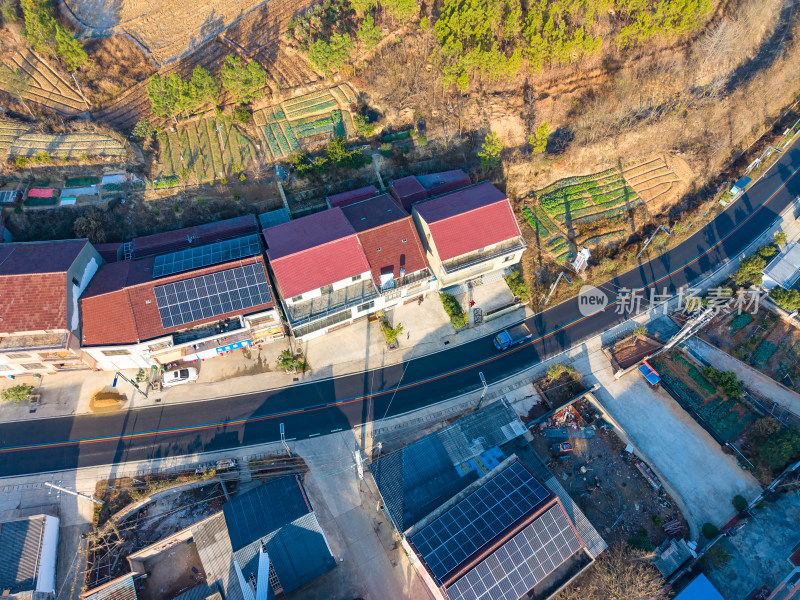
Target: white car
[(179, 376)]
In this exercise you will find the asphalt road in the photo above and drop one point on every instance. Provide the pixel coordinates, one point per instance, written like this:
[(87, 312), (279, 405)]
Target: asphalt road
[(325, 406)]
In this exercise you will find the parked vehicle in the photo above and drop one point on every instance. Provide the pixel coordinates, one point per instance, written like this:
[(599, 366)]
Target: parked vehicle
[(179, 376), (512, 336)]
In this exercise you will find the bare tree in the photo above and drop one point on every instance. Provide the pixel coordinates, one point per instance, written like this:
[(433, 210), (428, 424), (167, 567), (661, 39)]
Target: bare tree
[(622, 573), (15, 82)]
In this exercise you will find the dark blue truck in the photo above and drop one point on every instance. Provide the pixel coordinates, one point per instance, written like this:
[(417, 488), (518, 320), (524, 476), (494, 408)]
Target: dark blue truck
[(512, 336)]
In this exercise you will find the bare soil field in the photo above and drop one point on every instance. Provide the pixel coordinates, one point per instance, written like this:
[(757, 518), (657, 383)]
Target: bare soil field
[(165, 30), (116, 64), (631, 350)]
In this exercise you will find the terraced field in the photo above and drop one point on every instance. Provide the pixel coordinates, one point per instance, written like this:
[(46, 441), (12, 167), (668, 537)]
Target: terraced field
[(208, 148), (653, 180), (46, 86), (306, 119), (67, 145), (10, 131)]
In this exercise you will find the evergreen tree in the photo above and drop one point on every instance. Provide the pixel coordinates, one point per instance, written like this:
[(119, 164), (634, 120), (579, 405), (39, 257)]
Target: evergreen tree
[(490, 151), (369, 34), (243, 81)]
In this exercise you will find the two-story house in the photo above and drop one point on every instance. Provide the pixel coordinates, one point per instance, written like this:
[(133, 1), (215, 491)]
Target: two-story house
[(469, 234)]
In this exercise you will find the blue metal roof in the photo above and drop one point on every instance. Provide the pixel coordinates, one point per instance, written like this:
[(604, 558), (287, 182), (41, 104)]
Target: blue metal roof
[(265, 509), (700, 589)]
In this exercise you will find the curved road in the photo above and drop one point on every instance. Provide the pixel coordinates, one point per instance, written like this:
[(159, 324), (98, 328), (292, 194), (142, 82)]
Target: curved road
[(321, 407)]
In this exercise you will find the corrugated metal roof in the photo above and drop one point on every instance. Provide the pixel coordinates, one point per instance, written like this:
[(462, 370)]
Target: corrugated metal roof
[(204, 591), (122, 588), (298, 553), (264, 509), (784, 269), (419, 478), (20, 552), (214, 548)]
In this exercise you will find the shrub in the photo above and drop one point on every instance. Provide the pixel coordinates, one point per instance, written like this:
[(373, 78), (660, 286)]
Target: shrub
[(538, 140), (9, 11), (727, 380), (657, 521), (243, 114), (779, 449), (779, 239), (767, 251), (554, 372), (362, 126), (422, 140), (788, 300), (386, 149), (389, 332), (41, 157), (458, 318), (517, 285), (22, 161), (710, 531), (342, 156), (143, 129), (224, 181), (16, 394), (739, 503), (242, 177)]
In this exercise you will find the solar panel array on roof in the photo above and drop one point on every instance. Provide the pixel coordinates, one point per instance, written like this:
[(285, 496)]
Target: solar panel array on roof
[(203, 256), (477, 519), (522, 562), (211, 295)]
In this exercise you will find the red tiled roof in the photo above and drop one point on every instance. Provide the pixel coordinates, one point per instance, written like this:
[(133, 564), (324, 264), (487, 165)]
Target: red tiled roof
[(119, 306), (314, 251), (381, 226), (468, 220), (387, 251), (170, 241), (351, 196), (33, 284)]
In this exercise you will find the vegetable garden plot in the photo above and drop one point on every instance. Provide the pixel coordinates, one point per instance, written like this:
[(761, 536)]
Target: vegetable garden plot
[(67, 145), (10, 131), (725, 417), (603, 239), (305, 120), (588, 197), (210, 148), (45, 85)]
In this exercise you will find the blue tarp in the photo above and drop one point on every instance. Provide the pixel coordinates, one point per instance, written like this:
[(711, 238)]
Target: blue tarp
[(649, 373), (700, 589)]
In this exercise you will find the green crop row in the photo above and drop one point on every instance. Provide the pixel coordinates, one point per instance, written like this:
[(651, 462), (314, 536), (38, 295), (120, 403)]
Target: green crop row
[(282, 143), (740, 322), (764, 352), (349, 127), (272, 142), (289, 133), (594, 185), (535, 223), (338, 123), (566, 256), (322, 125), (605, 238), (603, 214), (579, 179), (305, 98), (311, 109)]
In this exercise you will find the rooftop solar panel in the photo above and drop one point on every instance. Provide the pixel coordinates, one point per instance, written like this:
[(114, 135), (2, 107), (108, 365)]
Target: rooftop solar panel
[(487, 512), (203, 256), (522, 562), (211, 295)]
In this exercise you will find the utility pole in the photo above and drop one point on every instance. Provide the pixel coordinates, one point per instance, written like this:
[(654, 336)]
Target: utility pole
[(119, 375), (283, 441), (359, 462), (650, 239), (555, 283), (79, 495), (485, 388)]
